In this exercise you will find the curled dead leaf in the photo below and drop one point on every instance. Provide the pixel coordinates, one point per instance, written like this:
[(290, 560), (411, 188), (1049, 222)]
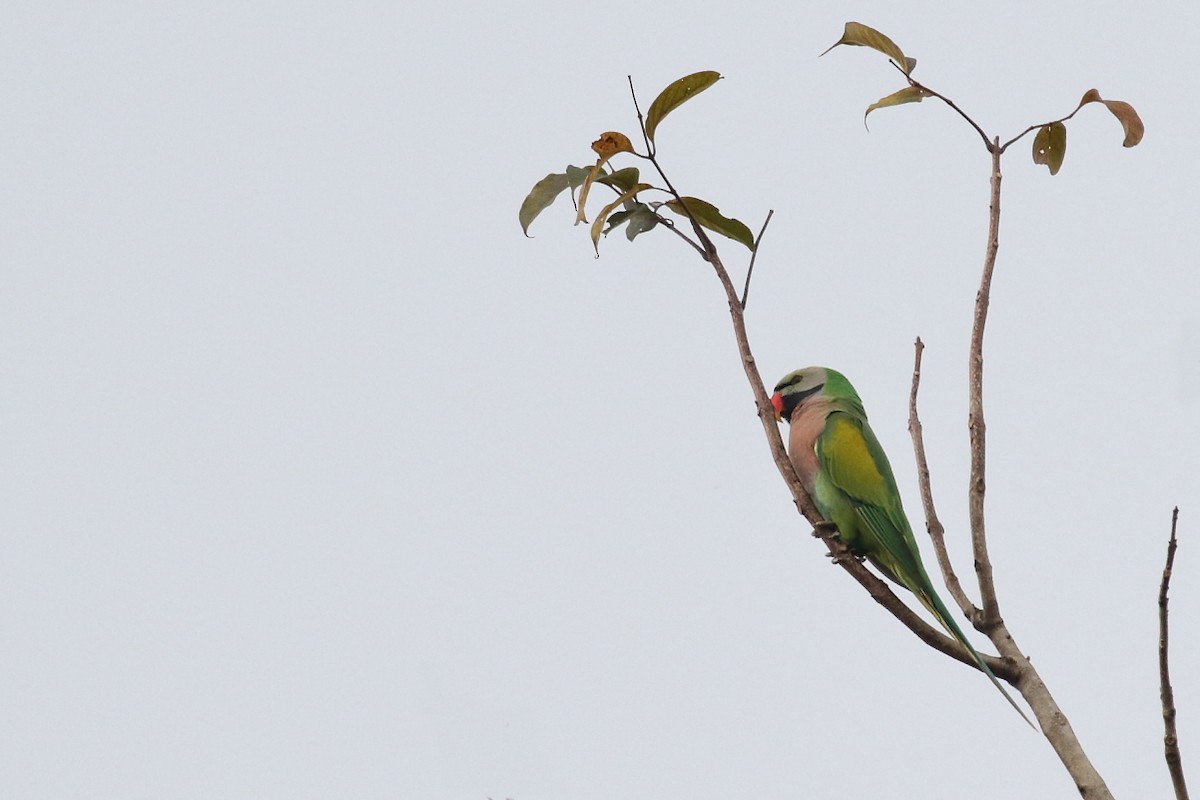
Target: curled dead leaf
[(612, 142)]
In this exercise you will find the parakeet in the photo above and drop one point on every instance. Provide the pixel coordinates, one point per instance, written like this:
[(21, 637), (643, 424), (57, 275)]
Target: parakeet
[(848, 476)]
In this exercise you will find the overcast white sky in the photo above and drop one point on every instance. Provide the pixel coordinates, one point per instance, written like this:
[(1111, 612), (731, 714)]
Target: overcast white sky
[(320, 480)]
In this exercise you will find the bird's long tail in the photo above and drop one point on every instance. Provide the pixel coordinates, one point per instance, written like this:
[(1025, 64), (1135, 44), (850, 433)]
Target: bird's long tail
[(936, 607)]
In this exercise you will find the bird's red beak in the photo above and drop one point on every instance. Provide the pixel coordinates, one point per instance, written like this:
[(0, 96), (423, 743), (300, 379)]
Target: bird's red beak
[(777, 404)]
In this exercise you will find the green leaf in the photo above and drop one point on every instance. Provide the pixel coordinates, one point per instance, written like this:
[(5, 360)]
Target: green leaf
[(909, 94), (639, 216), (540, 198), (860, 35), (602, 217), (618, 218), (1125, 114), (1050, 146), (576, 176), (641, 220), (622, 179), (709, 217), (676, 95)]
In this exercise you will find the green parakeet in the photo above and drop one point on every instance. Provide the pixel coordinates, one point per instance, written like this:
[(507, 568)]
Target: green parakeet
[(847, 474)]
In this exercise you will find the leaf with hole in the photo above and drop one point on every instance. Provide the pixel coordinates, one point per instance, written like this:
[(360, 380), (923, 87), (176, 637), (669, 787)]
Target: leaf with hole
[(676, 95), (1050, 146), (709, 217)]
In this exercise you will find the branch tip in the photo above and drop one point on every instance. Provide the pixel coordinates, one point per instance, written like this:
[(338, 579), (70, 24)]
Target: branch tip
[(1170, 735)]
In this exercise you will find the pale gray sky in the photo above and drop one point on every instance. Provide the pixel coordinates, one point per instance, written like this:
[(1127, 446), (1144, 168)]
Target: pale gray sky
[(320, 480)]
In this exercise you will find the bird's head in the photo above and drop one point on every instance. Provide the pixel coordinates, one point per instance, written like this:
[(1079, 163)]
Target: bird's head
[(796, 387), (803, 385)]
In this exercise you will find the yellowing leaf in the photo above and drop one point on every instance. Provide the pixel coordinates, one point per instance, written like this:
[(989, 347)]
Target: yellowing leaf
[(1050, 146), (1129, 119), (909, 94), (709, 217), (540, 197), (860, 35), (676, 95), (598, 225), (611, 143), (595, 172)]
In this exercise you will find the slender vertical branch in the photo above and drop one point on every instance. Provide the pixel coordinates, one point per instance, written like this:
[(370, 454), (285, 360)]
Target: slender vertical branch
[(933, 525), (1054, 723), (977, 486), (1170, 737), (754, 256)]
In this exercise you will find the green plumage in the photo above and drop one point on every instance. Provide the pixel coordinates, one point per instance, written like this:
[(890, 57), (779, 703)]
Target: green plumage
[(846, 472)]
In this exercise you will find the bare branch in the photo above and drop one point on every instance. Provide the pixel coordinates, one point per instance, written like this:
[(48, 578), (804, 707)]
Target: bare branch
[(933, 525), (1170, 737), (754, 255), (882, 593), (977, 485), (1054, 723)]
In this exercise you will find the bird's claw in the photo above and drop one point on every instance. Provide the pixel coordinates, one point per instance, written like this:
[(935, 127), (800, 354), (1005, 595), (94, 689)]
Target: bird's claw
[(825, 528)]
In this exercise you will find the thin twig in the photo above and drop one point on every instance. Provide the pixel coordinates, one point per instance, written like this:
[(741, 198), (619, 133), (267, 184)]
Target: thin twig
[(706, 248), (754, 255), (670, 225), (1032, 128), (922, 87), (641, 119), (1170, 737), (961, 113), (933, 525)]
